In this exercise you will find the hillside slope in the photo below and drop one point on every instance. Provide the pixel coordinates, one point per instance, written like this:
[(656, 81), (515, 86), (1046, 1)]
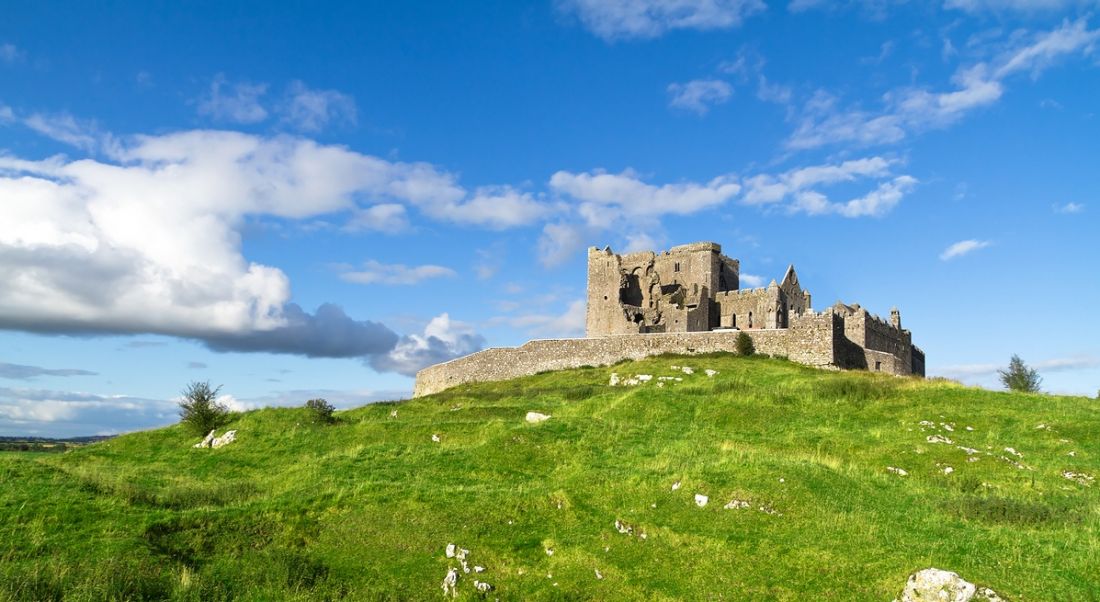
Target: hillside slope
[(364, 509)]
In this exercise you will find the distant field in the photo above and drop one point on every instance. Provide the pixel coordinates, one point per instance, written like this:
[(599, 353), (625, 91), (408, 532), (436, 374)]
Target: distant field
[(45, 444), (996, 487)]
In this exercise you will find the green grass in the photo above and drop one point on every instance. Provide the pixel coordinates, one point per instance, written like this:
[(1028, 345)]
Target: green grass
[(363, 509)]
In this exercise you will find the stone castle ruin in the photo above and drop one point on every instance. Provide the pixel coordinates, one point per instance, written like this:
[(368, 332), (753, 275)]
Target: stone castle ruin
[(689, 300)]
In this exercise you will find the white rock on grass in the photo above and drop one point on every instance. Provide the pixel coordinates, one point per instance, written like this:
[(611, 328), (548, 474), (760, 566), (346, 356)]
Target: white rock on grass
[(614, 382), (938, 439), (643, 377), (936, 585), (479, 568), (1014, 452), (710, 373), (436, 438), (450, 583), (736, 504), (701, 500), (687, 370), (901, 472), (536, 417), (482, 587), (599, 575), (676, 485), (393, 414), (205, 440), (1078, 477), (948, 470), (450, 550), (226, 439)]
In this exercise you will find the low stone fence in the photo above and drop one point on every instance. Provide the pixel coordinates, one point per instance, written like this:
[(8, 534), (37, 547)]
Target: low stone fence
[(503, 363)]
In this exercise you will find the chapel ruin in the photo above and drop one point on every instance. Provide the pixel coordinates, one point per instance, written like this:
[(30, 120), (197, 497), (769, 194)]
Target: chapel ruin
[(689, 300)]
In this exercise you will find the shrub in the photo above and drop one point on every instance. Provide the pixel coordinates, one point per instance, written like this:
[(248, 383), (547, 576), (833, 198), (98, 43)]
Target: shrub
[(200, 411), (744, 344), (1019, 377), (321, 411)]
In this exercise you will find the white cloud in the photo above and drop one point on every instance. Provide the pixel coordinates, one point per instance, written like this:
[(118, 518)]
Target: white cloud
[(389, 218), (1069, 208), (565, 325), (443, 339), (496, 207), (374, 272), (1023, 6), (605, 196), (699, 95), (962, 248), (914, 109), (751, 281), (10, 54), (149, 241), (65, 128), (43, 412), (561, 241), (234, 103), (618, 19), (799, 187), (309, 110)]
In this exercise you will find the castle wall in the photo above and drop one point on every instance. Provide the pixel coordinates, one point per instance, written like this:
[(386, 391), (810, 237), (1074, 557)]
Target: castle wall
[(810, 343), (735, 307)]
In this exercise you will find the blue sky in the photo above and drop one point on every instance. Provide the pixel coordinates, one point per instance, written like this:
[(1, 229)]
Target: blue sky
[(295, 202)]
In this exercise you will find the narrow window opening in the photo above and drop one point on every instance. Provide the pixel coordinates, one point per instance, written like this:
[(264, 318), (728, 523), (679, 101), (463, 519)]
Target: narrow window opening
[(676, 267)]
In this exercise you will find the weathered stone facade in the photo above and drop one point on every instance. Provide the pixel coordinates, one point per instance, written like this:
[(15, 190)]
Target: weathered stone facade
[(688, 300)]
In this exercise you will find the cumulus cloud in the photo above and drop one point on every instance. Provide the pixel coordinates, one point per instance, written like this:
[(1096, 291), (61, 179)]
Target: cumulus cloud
[(22, 372), (233, 102), (147, 240), (698, 96), (310, 110), (443, 339), (799, 188), (604, 197), (602, 201), (914, 109), (374, 272), (963, 247), (620, 19)]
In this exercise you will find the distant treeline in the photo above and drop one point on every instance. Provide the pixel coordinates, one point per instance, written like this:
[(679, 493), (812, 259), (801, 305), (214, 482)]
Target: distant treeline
[(45, 444)]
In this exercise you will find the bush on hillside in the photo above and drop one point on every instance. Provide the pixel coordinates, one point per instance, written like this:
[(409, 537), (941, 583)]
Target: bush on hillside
[(744, 344), (200, 411), (320, 411), (1019, 377)]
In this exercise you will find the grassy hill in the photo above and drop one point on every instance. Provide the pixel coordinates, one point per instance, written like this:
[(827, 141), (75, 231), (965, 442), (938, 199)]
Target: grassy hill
[(364, 509)]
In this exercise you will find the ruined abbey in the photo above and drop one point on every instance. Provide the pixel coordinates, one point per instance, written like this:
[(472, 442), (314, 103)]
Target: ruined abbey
[(689, 300)]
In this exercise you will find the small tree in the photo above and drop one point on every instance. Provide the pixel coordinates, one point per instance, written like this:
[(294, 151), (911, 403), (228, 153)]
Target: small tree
[(1018, 377), (200, 411), (744, 344), (321, 411)]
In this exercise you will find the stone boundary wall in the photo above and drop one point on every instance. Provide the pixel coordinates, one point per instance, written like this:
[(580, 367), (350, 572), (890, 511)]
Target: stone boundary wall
[(813, 344)]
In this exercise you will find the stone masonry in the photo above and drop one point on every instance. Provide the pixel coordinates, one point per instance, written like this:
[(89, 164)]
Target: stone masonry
[(688, 300)]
